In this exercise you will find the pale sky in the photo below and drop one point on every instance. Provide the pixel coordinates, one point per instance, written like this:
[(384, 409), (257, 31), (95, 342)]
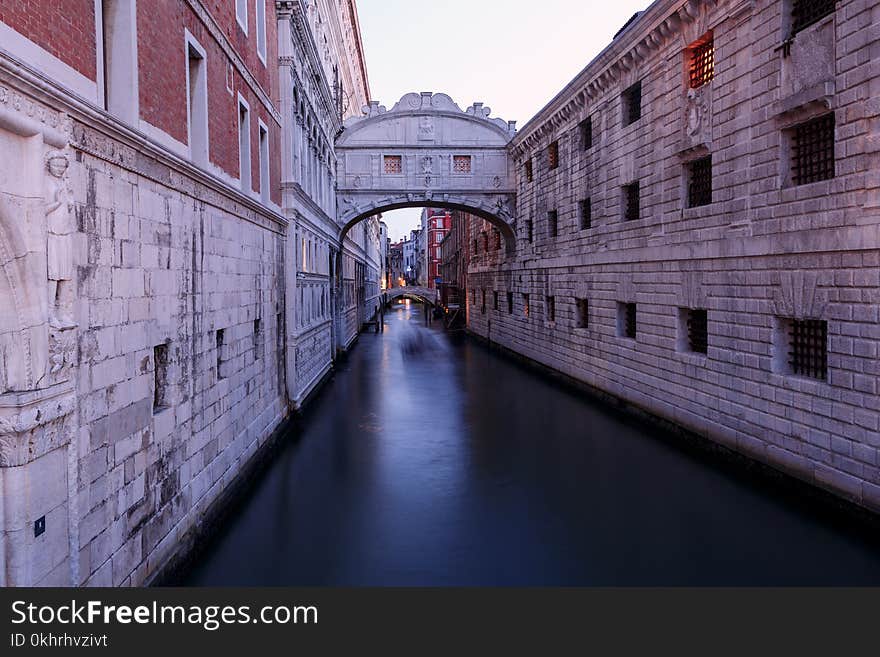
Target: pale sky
[(511, 55)]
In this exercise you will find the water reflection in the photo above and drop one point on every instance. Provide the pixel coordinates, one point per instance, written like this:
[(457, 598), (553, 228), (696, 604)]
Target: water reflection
[(431, 462)]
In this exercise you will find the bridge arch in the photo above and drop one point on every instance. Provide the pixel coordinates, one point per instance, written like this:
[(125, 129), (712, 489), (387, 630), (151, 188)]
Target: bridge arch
[(426, 152)]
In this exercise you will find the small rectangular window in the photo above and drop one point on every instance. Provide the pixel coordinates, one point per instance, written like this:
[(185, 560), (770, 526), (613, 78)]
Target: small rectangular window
[(197, 103), (525, 305), (393, 163), (812, 152), (160, 377), (586, 213), (700, 182), (495, 300), (696, 326), (632, 104), (553, 223), (241, 14), (806, 12), (631, 201), (261, 29), (553, 155), (808, 348), (219, 335), (626, 320), (483, 301), (258, 339), (702, 64), (583, 313), (551, 309), (529, 173), (461, 163), (510, 302), (530, 230), (586, 133)]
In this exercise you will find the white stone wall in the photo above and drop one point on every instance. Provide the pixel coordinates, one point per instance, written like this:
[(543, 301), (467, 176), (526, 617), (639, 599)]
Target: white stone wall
[(762, 250)]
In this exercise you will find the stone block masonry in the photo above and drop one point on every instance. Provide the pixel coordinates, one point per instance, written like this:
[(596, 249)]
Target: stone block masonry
[(781, 257)]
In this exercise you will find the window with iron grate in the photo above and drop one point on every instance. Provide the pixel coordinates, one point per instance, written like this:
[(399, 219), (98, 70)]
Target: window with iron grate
[(583, 313), (697, 324), (495, 300), (808, 348), (553, 223), (586, 212), (586, 132), (530, 230), (700, 182), (806, 12), (509, 303), (812, 150), (702, 65), (529, 173), (393, 164), (626, 320), (632, 104), (551, 309), (461, 163), (553, 155), (631, 201), (483, 301)]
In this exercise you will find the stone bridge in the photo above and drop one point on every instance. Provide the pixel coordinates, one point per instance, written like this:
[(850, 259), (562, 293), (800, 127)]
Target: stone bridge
[(426, 152), (424, 294)]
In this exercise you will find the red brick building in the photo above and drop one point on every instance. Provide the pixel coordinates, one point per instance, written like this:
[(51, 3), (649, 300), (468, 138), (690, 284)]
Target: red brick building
[(436, 224)]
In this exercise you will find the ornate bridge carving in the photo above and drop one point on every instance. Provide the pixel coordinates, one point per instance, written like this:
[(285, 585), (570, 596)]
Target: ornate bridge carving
[(426, 151)]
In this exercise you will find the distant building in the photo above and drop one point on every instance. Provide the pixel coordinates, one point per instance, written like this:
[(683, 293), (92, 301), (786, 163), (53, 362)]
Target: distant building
[(435, 225), (454, 260)]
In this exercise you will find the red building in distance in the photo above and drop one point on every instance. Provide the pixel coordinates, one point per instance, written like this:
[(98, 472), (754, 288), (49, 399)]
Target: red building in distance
[(436, 224)]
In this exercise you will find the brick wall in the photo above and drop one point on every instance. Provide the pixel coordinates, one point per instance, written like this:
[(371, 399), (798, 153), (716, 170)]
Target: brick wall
[(65, 29)]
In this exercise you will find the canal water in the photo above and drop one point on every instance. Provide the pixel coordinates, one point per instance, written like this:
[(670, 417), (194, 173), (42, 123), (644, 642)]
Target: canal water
[(431, 461)]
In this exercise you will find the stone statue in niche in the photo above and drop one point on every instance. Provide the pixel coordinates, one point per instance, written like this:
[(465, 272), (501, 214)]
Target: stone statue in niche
[(59, 223), (697, 109)]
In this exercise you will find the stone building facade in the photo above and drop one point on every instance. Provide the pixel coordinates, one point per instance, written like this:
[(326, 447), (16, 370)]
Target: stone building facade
[(156, 289), (698, 231), (323, 80)]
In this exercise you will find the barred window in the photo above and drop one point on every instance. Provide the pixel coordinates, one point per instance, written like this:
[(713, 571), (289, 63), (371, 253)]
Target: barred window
[(483, 301), (551, 309), (700, 182), (509, 302), (529, 175), (393, 163), (583, 313), (632, 104), (461, 163), (702, 68), (586, 131), (530, 229), (813, 150), (553, 223), (553, 155), (495, 300), (626, 320), (806, 12), (808, 348), (631, 201), (586, 212), (697, 325)]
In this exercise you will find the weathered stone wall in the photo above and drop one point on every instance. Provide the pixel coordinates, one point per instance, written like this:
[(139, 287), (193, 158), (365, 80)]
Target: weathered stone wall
[(762, 252)]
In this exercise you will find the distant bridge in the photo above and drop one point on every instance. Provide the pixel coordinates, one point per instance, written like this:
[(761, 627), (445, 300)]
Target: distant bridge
[(423, 294)]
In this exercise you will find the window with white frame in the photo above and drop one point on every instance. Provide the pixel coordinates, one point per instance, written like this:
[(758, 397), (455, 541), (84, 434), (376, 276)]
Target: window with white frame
[(261, 29), (264, 162), (241, 14), (244, 144), (197, 100)]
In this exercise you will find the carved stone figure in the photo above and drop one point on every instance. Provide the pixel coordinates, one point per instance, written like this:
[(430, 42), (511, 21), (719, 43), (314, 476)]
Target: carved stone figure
[(59, 222), (427, 164), (426, 128)]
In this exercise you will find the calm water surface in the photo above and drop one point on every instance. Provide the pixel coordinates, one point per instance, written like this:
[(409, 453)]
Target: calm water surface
[(431, 462)]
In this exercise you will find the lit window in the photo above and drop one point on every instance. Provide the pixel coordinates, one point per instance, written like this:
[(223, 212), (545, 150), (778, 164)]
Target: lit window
[(393, 163), (461, 163), (702, 68)]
